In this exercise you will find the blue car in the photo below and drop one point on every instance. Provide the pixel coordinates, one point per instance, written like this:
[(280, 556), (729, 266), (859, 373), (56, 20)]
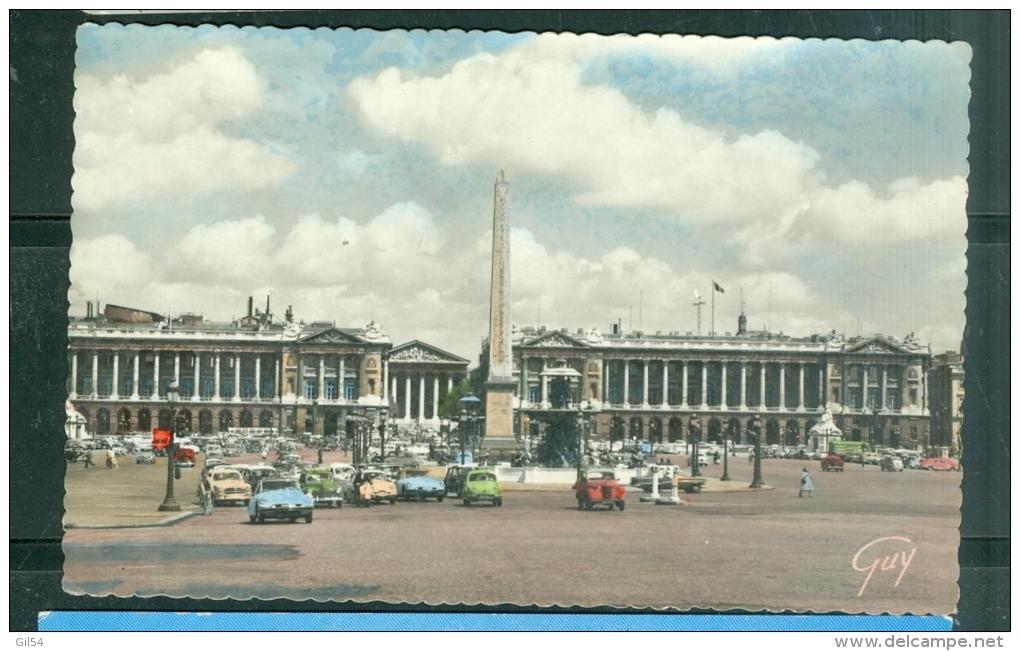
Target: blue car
[(417, 485), (279, 499)]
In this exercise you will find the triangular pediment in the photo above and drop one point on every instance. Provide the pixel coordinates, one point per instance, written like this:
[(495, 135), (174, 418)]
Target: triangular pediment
[(330, 336), (555, 339), (877, 345), (419, 351)]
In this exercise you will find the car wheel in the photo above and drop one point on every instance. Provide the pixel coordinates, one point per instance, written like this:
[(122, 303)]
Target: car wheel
[(499, 501), (308, 519), (587, 504), (419, 497), (252, 519), (621, 504), (467, 502), (580, 504), (440, 498), (292, 520), (393, 501), (261, 518)]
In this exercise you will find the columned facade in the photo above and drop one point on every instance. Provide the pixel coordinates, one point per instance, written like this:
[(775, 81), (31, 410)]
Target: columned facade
[(289, 376), (421, 375), (649, 387)]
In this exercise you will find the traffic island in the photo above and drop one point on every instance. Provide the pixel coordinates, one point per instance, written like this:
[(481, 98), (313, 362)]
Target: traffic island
[(126, 496)]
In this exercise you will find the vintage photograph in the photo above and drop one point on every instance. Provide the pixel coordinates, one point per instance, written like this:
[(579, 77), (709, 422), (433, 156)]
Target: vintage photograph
[(447, 317)]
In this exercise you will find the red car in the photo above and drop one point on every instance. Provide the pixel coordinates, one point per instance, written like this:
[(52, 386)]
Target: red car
[(832, 462), (938, 463), (599, 487)]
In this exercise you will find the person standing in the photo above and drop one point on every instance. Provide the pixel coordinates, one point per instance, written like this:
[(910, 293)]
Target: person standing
[(807, 484)]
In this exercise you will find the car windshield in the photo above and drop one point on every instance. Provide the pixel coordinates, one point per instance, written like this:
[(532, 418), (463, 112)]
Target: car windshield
[(277, 484), (222, 476), (482, 476)]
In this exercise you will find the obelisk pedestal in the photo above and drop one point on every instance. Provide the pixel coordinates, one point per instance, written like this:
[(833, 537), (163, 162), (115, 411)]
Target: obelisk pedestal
[(499, 385)]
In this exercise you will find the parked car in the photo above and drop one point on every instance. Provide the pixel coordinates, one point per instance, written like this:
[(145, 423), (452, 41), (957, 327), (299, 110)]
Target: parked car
[(481, 486), (416, 484), (599, 487), (227, 485), (255, 474), (872, 458), (938, 463), (145, 457), (832, 462), (318, 483), (375, 487), (891, 463), (279, 499), (214, 451), (455, 476)]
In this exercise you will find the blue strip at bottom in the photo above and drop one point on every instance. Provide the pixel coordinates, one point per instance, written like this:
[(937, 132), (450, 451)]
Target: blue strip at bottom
[(235, 621)]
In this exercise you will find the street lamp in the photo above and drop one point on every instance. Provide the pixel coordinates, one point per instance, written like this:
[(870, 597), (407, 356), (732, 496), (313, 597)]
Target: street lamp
[(169, 501), (725, 458), (755, 430), (583, 411), (695, 427), (468, 404)]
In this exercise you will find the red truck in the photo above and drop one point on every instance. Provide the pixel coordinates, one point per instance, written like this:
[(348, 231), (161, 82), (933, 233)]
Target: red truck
[(599, 487), (832, 462)]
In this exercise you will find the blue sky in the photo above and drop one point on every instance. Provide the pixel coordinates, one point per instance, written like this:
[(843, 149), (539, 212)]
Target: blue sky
[(217, 162)]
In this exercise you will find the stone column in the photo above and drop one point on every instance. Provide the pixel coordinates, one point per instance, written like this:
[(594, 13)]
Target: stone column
[(524, 380), (605, 381), (864, 387), (322, 377), (800, 387), (743, 386), (134, 375), (155, 376), (177, 368), (435, 397), (683, 378), (449, 383), (722, 394), (782, 386), (407, 397), (196, 393), (277, 382), (626, 383), (644, 383), (822, 398), (258, 377), (393, 389), (237, 377), (421, 397), (216, 377), (116, 376), (665, 383), (73, 393), (761, 387), (704, 384), (384, 393), (545, 387), (342, 380), (881, 398)]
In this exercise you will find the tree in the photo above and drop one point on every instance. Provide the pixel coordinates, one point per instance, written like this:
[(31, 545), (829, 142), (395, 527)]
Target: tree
[(449, 404)]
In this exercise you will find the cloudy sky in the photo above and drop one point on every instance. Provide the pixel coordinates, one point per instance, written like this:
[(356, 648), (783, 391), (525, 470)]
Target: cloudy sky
[(349, 173)]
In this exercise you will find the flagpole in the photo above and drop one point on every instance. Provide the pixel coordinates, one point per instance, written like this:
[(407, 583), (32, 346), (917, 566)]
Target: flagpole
[(712, 333)]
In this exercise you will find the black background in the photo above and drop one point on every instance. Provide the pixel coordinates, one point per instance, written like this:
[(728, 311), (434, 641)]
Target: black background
[(42, 141)]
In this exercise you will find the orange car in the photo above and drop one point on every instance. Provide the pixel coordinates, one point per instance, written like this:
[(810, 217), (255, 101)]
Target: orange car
[(832, 462), (599, 487), (938, 463)]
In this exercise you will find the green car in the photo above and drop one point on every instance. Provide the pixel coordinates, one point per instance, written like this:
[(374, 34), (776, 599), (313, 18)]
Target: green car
[(318, 483), (481, 486)]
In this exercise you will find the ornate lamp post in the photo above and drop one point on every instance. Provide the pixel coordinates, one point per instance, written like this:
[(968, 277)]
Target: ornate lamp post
[(169, 501), (695, 427), (725, 460), (468, 405), (583, 411), (755, 431)]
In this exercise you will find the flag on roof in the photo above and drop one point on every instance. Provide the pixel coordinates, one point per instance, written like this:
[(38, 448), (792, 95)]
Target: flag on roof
[(718, 288)]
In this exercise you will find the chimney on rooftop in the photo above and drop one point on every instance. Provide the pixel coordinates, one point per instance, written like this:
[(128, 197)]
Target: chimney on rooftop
[(250, 306)]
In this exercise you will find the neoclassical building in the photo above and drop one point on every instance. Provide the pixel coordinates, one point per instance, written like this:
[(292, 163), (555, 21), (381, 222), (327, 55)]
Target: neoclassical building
[(648, 386), (420, 374), (250, 373)]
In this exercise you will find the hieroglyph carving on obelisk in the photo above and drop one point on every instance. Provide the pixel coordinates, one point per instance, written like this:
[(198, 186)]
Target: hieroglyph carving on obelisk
[(500, 369), (499, 387)]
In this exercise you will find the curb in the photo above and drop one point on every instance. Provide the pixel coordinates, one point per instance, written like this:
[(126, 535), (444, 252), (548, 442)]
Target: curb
[(172, 520)]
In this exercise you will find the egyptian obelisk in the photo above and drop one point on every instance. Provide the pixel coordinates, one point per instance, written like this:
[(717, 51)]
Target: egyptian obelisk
[(499, 386)]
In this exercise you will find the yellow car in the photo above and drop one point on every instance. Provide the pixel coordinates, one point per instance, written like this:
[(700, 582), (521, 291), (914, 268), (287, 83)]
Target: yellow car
[(373, 487)]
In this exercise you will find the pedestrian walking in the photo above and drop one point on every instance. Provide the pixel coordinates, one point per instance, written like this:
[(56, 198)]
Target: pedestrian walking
[(807, 484), (111, 460), (750, 457), (88, 460), (205, 498)]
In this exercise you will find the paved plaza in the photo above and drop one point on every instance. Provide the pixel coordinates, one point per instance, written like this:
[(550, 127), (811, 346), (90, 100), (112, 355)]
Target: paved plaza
[(747, 550)]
